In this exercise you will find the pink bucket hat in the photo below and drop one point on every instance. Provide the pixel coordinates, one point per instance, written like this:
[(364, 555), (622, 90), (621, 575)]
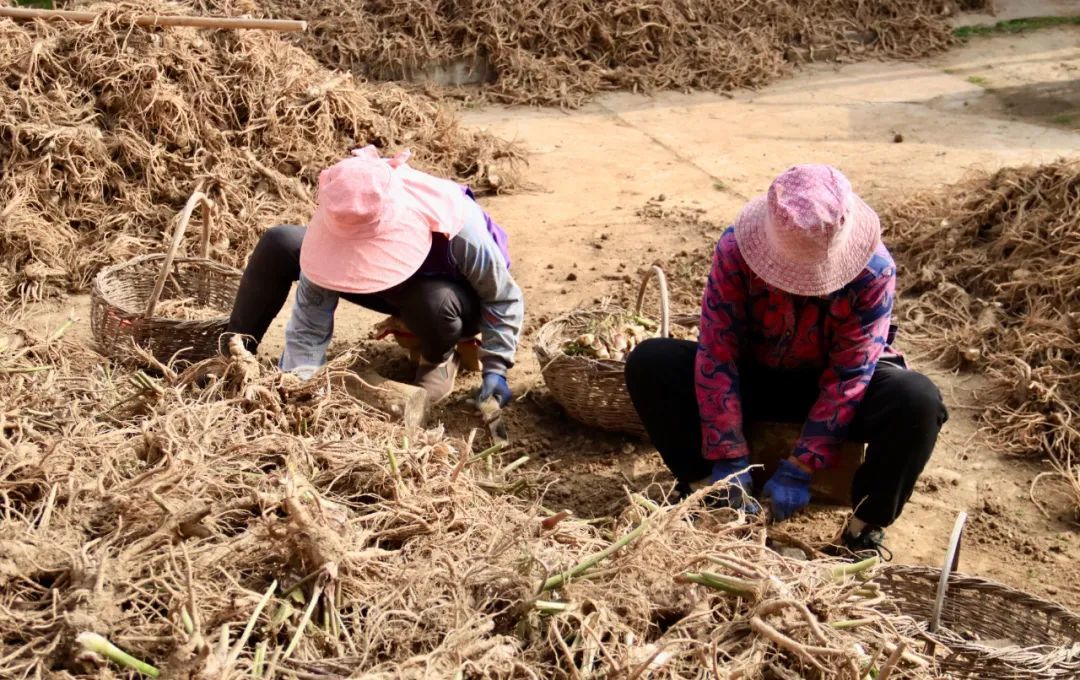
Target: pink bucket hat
[(373, 223), (811, 235)]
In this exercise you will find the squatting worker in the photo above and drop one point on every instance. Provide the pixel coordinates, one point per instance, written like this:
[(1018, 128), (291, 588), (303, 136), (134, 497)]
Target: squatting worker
[(398, 241), (795, 327)]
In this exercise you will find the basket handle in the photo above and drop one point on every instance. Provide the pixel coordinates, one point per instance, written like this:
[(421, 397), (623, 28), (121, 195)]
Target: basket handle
[(665, 305), (177, 237), (952, 561)]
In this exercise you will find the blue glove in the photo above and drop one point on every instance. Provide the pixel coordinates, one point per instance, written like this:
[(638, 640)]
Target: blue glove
[(738, 493), (789, 490), (494, 386)]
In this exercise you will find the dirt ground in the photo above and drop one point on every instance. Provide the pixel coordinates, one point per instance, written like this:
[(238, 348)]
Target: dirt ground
[(892, 128)]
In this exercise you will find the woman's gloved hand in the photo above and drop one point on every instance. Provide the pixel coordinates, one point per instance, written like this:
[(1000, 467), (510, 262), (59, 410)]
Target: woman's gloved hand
[(495, 385), (740, 485), (788, 490)]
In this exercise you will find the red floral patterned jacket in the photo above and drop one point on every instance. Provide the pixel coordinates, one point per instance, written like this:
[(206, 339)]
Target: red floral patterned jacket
[(743, 319)]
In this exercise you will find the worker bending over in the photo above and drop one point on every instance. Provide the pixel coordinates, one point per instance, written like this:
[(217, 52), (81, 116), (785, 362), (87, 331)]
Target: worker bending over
[(795, 327), (395, 240)]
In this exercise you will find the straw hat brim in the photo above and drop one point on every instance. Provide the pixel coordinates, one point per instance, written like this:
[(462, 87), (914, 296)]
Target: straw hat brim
[(829, 274), (371, 263)]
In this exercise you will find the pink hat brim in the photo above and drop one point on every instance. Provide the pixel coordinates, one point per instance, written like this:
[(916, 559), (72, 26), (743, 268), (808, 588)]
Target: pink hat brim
[(807, 279), (368, 264)]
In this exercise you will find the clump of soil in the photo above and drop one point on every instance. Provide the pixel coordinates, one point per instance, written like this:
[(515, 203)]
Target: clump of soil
[(107, 128), (990, 273), (564, 52)]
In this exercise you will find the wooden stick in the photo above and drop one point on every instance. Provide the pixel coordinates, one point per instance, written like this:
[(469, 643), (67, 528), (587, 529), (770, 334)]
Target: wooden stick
[(28, 14)]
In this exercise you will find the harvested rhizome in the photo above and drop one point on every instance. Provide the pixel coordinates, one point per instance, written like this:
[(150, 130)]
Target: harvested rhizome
[(248, 524), (107, 128), (564, 51), (990, 282)]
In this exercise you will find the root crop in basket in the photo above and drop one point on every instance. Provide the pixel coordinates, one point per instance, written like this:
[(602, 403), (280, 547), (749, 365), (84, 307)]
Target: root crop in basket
[(106, 128), (564, 51), (616, 335), (186, 309), (990, 269), (232, 520)]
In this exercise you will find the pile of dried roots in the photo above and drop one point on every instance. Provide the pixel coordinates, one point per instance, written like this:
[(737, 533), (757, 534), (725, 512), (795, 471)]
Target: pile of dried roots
[(562, 52), (250, 524), (106, 129), (990, 269)]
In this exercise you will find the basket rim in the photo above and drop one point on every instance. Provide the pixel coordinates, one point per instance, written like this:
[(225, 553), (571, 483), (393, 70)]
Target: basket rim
[(102, 294), (972, 580)]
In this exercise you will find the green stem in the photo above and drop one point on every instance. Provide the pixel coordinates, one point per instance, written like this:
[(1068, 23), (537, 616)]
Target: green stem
[(284, 611), (727, 584), (99, 645), (260, 657), (487, 453), (645, 503), (550, 607), (235, 653), (59, 332), (517, 487), (185, 618), (303, 622), (840, 571), (26, 369), (589, 562), (515, 465)]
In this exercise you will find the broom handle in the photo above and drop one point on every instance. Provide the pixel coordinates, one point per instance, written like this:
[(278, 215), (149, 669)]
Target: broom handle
[(177, 238), (27, 14), (665, 306)]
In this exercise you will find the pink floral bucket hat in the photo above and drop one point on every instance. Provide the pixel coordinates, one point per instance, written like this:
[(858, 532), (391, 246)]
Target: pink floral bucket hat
[(373, 225), (811, 234)]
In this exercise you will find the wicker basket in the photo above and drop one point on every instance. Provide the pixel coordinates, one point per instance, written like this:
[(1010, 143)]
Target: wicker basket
[(125, 297), (968, 621), (593, 391)]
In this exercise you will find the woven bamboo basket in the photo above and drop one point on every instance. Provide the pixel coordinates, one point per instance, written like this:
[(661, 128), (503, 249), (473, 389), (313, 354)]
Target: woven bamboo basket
[(126, 297), (593, 391), (979, 629)]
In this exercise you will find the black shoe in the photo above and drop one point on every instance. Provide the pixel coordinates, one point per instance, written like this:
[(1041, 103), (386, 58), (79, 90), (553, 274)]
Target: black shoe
[(867, 544)]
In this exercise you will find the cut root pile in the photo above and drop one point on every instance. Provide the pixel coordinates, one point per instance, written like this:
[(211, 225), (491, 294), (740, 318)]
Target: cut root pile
[(106, 129), (564, 52), (990, 268), (231, 521)]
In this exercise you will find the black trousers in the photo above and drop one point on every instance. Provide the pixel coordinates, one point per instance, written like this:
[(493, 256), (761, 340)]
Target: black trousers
[(439, 311), (899, 419)]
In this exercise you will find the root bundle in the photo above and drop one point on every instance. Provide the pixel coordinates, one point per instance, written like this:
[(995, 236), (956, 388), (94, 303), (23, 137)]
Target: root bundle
[(232, 521), (106, 129), (563, 52), (990, 268)]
